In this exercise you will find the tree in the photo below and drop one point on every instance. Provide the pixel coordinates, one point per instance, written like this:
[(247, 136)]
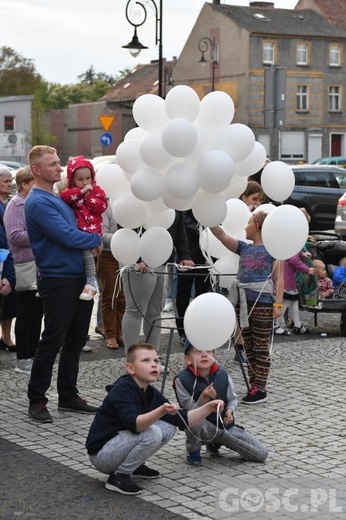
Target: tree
[(18, 75)]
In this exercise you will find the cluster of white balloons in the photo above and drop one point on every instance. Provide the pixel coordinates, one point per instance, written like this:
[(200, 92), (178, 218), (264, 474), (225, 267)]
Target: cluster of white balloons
[(184, 154), (187, 154)]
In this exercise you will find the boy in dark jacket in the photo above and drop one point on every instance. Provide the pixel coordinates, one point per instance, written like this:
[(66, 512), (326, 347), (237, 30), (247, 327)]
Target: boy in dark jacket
[(134, 421), (200, 382)]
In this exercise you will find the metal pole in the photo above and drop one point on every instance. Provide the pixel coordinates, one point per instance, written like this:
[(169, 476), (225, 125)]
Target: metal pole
[(160, 51)]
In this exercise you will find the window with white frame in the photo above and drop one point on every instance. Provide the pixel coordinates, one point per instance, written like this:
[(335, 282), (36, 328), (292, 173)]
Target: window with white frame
[(302, 98), (334, 98), (269, 52), (335, 53), (302, 54)]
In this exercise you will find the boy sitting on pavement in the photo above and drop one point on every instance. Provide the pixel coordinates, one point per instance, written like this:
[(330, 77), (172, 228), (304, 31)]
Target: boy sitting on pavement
[(135, 420), (199, 383)]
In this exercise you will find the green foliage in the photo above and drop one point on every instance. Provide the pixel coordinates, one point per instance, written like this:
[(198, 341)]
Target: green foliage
[(18, 76)]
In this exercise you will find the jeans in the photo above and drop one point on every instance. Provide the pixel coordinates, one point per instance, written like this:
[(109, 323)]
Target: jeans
[(127, 451), (27, 328), (144, 302), (66, 324)]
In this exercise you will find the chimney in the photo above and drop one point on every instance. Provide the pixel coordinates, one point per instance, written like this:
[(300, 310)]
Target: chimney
[(216, 2), (262, 5)]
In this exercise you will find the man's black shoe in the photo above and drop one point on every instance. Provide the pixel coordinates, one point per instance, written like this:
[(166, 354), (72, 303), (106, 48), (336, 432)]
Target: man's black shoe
[(122, 484), (38, 412), (144, 471), (77, 404)]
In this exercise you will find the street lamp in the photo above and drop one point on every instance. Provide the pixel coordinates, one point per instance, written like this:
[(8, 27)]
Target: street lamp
[(204, 45), (135, 11)]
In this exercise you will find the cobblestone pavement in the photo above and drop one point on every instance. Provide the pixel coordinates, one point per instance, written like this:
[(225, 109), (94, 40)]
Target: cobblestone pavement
[(46, 474)]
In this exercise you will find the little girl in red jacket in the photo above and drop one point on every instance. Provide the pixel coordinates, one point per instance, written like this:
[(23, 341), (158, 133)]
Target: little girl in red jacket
[(88, 202)]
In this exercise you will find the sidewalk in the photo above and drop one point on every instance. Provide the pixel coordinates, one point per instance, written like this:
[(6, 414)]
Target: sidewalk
[(45, 472)]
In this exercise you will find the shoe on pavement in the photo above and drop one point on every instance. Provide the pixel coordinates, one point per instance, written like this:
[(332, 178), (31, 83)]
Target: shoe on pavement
[(162, 367), (39, 412), (24, 366), (300, 330), (282, 332), (86, 348), (193, 458), (77, 404), (168, 306), (88, 292), (98, 330), (122, 484), (213, 449), (256, 395), (144, 471)]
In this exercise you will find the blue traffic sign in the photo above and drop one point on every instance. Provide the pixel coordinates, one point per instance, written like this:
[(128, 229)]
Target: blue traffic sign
[(106, 139)]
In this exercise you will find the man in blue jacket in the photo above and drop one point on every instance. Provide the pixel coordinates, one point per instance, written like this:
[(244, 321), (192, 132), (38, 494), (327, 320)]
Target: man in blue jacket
[(57, 245)]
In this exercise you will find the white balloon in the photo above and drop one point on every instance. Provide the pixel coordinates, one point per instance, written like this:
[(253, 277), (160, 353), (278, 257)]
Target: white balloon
[(155, 246), (209, 321), (266, 208), (179, 137), (149, 112), (237, 140), (237, 217), (252, 163), (215, 170), (135, 133), (285, 231), (153, 153), (216, 110), (112, 180), (175, 203), (156, 205), (147, 184), (125, 246), (128, 156), (204, 143), (128, 211), (277, 180), (162, 219), (236, 188), (182, 101), (212, 246), (227, 269), (209, 209), (182, 180)]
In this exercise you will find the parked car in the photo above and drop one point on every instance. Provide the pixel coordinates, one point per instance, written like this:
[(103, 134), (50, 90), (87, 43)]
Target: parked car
[(340, 219), (333, 161), (318, 189)]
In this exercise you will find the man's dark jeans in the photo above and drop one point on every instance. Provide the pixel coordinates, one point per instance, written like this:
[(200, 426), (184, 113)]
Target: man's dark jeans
[(66, 325)]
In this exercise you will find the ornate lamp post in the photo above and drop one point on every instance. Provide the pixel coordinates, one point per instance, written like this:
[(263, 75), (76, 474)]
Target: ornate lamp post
[(204, 45), (136, 15)]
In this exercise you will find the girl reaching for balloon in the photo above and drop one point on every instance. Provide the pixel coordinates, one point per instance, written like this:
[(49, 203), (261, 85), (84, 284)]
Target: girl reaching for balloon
[(259, 295)]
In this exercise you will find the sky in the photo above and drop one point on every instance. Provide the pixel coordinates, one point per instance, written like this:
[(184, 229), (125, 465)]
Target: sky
[(65, 37)]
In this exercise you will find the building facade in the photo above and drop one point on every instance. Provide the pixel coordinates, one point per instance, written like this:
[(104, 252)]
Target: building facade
[(15, 127)]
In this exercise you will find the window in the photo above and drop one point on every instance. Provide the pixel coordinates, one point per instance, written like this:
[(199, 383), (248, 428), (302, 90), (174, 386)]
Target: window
[(335, 53), (303, 54), (269, 52), (334, 99), (9, 123), (302, 98)]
